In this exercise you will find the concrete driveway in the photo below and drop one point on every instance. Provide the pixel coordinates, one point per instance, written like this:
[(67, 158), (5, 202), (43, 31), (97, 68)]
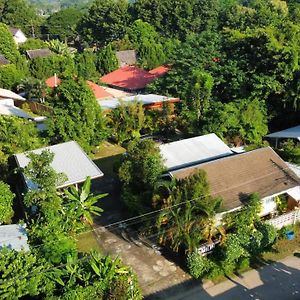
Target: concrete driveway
[(276, 281)]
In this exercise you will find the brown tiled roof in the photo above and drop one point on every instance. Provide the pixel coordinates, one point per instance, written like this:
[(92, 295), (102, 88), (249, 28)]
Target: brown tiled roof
[(3, 60), (38, 53), (233, 178), (126, 57)]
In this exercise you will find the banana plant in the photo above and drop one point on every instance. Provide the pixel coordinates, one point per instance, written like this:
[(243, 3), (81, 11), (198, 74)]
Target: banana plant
[(82, 202)]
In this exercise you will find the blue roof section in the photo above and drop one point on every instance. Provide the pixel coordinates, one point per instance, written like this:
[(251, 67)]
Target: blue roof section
[(291, 133), (112, 103), (14, 237)]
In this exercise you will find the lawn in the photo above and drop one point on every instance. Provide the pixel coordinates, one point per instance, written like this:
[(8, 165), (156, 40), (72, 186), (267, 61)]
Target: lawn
[(284, 247), (87, 241), (107, 149)]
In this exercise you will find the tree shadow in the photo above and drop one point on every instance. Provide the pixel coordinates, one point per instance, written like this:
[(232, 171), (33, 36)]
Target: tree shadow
[(273, 280)]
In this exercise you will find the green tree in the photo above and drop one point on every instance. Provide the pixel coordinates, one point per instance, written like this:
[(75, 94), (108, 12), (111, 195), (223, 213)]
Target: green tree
[(77, 115), (106, 60), (7, 44), (18, 13), (126, 121), (105, 21), (10, 77), (6, 203), (86, 65), (31, 44), (82, 203), (145, 40), (33, 88), (63, 23)]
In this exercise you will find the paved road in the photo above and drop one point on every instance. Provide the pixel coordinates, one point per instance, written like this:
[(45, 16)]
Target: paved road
[(278, 281)]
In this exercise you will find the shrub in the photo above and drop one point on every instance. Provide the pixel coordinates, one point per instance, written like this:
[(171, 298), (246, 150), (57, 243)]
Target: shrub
[(6, 203), (199, 266)]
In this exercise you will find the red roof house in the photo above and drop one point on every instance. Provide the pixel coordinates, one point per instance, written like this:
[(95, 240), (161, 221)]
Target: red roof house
[(128, 78), (160, 71), (53, 81), (98, 91)]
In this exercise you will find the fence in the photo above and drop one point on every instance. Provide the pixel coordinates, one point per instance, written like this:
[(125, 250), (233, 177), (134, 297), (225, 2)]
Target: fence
[(35, 107), (285, 219)]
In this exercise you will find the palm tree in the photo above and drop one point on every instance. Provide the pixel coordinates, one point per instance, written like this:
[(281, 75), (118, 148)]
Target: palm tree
[(82, 202)]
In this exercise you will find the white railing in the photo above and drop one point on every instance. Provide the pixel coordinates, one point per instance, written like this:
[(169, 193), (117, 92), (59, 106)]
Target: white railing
[(285, 219)]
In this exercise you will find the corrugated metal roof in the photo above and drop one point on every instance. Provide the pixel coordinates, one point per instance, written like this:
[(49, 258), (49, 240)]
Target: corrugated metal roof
[(144, 99), (32, 54), (293, 133), (8, 109), (195, 150), (7, 94), (13, 236), (69, 159)]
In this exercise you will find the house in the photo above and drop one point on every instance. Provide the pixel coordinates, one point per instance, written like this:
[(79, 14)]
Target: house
[(14, 237), (126, 58), (3, 60), (289, 133), (150, 101), (98, 91), (69, 159), (32, 54), (193, 151), (18, 35), (131, 78), (235, 177)]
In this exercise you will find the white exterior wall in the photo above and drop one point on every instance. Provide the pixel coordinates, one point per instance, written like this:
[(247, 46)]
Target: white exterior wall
[(20, 37)]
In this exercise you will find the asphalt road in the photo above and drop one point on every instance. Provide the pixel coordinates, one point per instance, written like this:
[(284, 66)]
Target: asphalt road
[(276, 281)]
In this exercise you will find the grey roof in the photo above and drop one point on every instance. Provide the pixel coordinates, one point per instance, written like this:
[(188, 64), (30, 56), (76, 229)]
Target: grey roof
[(112, 103), (191, 151), (13, 237), (69, 159), (292, 133), (126, 57), (3, 60), (32, 54)]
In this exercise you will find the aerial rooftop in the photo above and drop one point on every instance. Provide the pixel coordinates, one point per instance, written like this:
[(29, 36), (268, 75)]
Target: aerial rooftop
[(191, 151), (234, 177), (14, 237), (69, 159)]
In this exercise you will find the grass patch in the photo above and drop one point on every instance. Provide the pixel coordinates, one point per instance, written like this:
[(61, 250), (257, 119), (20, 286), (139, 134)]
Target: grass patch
[(87, 241), (107, 149), (283, 248)]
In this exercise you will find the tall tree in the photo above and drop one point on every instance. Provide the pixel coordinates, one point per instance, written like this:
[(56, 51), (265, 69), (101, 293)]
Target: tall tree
[(105, 21), (77, 115)]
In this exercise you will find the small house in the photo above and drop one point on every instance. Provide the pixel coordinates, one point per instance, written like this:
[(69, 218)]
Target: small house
[(289, 133), (150, 101), (69, 159), (32, 54), (18, 35), (235, 177)]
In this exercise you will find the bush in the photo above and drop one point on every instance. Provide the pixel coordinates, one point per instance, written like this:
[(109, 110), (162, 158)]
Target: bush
[(6, 203), (9, 76), (199, 266)]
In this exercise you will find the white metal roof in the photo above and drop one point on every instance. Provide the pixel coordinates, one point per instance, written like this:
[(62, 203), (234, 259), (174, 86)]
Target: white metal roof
[(13, 237), (11, 110), (294, 192), (293, 133), (144, 99), (191, 151), (69, 159), (7, 94)]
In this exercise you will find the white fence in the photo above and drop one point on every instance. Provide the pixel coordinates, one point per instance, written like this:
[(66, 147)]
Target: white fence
[(285, 219)]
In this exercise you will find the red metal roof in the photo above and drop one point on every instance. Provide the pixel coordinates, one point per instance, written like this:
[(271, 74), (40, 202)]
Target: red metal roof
[(98, 91), (159, 71), (129, 78), (51, 82)]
